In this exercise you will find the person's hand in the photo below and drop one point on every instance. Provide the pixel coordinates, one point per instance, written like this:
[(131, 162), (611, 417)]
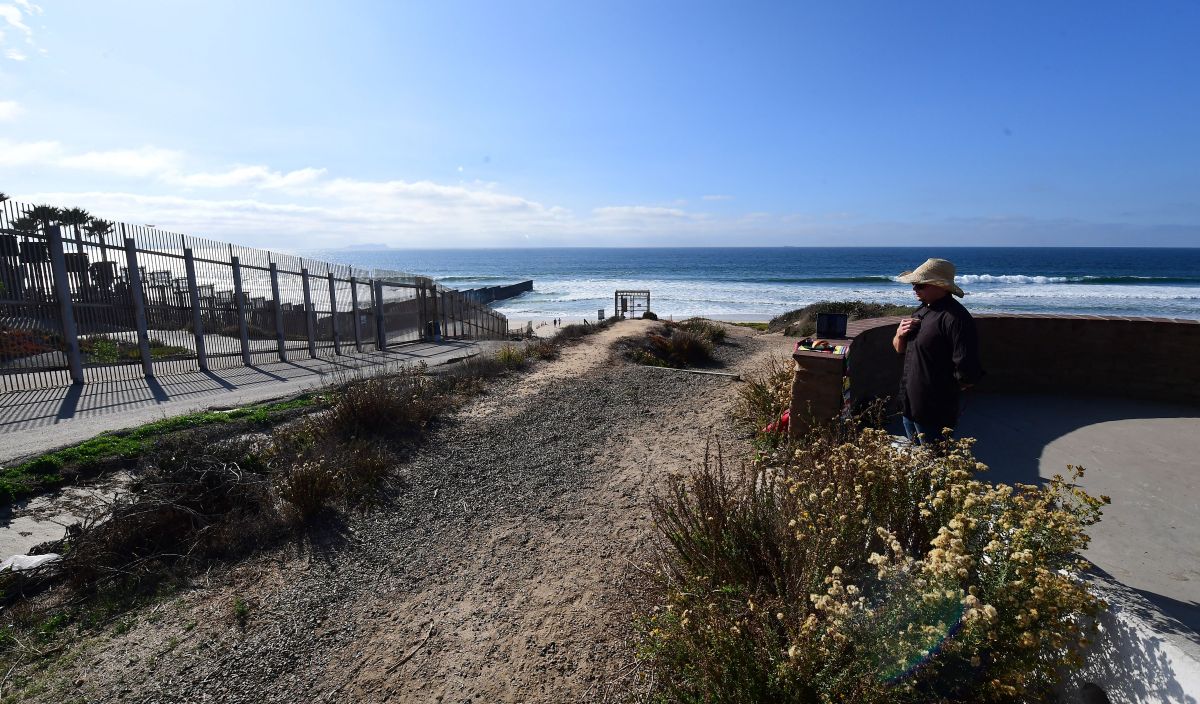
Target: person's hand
[(906, 327)]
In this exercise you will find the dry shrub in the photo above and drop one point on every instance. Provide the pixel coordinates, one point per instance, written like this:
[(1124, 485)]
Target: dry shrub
[(670, 346), (766, 393), (712, 331), (543, 349), (307, 488), (867, 572), (363, 467), (390, 406), (199, 496)]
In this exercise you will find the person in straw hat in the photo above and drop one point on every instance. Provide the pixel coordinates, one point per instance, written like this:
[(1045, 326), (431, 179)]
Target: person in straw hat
[(941, 352)]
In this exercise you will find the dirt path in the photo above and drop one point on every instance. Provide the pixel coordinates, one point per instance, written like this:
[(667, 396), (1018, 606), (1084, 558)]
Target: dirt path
[(498, 572)]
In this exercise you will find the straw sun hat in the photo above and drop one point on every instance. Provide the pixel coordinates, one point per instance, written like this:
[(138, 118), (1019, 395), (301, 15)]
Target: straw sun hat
[(937, 272)]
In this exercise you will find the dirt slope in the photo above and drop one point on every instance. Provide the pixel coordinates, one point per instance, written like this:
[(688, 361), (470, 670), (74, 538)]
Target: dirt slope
[(498, 571)]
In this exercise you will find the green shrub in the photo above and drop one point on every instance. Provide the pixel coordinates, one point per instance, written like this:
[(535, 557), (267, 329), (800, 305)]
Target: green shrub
[(859, 571), (709, 330), (511, 356), (803, 321), (648, 315), (669, 346)]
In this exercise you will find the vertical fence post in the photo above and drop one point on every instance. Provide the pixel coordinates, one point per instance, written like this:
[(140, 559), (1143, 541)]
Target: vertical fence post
[(189, 264), (309, 318), (66, 308), (280, 341), (447, 315), (333, 315), (239, 298), (357, 320), (423, 313), (380, 328), (137, 298)]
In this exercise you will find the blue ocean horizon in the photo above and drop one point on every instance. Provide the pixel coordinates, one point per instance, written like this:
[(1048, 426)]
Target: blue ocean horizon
[(762, 282)]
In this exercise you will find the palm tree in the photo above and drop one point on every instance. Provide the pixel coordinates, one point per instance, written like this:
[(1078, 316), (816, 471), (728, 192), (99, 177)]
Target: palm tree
[(3, 197), (75, 217), (99, 229), (25, 225), (44, 215)]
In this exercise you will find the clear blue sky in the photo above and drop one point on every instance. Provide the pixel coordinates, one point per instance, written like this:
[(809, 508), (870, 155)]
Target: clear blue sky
[(299, 124)]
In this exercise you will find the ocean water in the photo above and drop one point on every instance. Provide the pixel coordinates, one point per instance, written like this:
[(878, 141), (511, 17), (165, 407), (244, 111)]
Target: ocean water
[(759, 282)]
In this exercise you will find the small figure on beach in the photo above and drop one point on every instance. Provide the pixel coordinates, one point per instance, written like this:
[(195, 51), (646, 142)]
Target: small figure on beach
[(941, 352)]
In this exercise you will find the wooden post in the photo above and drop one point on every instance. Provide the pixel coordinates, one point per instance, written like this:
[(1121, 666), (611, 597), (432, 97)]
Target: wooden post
[(243, 328), (280, 341), (333, 312), (309, 321), (137, 298), (357, 319), (66, 308), (189, 264), (380, 328)]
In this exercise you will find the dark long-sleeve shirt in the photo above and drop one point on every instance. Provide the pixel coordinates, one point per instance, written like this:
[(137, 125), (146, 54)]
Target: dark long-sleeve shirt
[(942, 355)]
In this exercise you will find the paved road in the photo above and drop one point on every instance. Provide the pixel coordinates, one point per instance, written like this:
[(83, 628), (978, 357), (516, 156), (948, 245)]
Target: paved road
[(43, 419)]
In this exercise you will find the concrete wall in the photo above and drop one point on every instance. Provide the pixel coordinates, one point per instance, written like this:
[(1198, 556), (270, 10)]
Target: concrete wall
[(1153, 358)]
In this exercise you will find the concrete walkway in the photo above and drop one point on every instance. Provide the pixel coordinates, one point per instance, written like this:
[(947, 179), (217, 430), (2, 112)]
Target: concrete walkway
[(43, 419), (1144, 455)]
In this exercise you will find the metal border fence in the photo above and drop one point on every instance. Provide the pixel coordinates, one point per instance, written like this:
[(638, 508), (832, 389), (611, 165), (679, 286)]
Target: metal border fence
[(104, 301)]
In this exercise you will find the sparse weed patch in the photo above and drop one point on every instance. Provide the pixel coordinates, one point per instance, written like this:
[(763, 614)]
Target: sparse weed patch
[(543, 349), (512, 356), (765, 395)]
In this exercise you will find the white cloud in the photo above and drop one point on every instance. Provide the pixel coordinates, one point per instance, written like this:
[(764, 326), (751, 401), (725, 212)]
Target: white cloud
[(28, 153), (10, 110), (717, 197), (29, 7), (12, 15), (143, 162), (307, 208), (257, 176)]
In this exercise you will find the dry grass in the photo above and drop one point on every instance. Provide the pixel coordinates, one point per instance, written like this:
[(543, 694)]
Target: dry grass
[(766, 393)]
